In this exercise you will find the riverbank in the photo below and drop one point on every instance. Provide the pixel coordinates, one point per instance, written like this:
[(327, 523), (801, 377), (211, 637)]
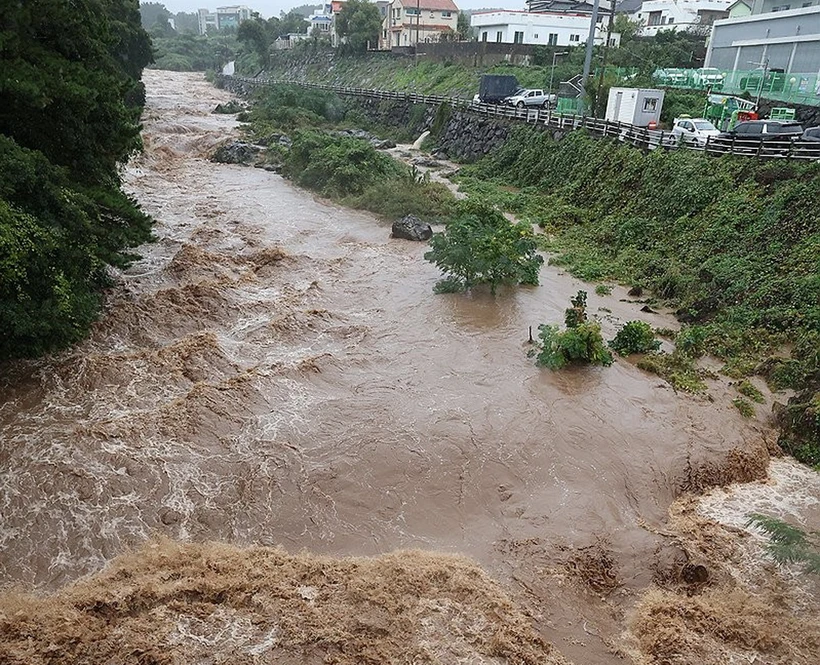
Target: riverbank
[(277, 371)]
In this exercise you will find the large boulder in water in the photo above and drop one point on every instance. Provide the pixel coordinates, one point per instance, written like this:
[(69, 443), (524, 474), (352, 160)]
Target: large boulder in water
[(236, 152), (412, 228)]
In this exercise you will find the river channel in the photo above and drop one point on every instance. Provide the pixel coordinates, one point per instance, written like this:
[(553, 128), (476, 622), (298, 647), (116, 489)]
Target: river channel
[(276, 369)]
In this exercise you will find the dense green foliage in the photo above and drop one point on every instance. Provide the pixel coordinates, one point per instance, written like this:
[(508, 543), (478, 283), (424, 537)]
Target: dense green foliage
[(800, 424), (284, 108), (732, 243), (194, 53), (71, 103), (634, 337), (359, 24), (580, 343), (337, 166), (480, 246), (788, 544), (353, 172)]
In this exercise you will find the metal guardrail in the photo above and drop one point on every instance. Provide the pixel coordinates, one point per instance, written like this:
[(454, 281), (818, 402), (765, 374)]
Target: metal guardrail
[(641, 137)]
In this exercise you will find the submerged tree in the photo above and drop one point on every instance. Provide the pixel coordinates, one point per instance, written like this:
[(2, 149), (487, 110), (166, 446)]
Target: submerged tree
[(580, 343), (480, 246)]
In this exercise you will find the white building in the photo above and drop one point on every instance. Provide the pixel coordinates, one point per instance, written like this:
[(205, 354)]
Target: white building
[(408, 22), (657, 15), (223, 17), (787, 40), (320, 20), (547, 28)]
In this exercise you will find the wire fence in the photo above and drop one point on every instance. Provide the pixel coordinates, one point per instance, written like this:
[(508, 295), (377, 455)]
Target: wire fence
[(547, 118), (792, 88)]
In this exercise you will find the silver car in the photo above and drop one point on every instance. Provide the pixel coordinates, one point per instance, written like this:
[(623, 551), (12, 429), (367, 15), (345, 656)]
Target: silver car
[(525, 97)]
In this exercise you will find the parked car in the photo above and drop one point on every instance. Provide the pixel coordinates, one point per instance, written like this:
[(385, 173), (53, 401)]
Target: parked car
[(525, 97), (766, 130), (707, 77), (671, 77), (811, 134), (693, 130)]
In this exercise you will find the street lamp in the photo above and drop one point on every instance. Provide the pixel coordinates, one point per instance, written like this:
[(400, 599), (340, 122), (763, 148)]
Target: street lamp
[(765, 65), (552, 71)]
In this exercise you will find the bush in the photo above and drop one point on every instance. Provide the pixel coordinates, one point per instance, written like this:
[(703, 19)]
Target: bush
[(338, 166), (480, 246), (744, 406), (580, 343), (676, 368), (634, 337)]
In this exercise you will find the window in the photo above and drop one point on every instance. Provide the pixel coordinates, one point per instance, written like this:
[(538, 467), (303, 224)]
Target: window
[(446, 14), (412, 11), (552, 40), (807, 4), (781, 8), (575, 38), (654, 18), (535, 36), (670, 21), (498, 36), (650, 104), (484, 36), (519, 38)]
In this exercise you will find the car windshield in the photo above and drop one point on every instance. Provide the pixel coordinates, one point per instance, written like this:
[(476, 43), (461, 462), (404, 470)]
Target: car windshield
[(705, 126)]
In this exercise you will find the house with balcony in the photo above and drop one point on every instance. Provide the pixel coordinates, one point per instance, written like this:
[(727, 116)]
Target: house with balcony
[(411, 22), (692, 15)]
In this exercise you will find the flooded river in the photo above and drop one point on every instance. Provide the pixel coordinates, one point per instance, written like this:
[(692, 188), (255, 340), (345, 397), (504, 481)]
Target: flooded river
[(276, 370)]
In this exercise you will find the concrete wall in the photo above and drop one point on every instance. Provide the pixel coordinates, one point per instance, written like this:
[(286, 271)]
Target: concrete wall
[(789, 39)]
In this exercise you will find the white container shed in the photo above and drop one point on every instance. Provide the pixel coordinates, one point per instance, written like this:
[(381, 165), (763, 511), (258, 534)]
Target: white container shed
[(634, 106)]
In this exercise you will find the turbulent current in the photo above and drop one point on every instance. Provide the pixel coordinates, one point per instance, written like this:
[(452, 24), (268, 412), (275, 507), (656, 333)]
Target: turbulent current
[(276, 370)]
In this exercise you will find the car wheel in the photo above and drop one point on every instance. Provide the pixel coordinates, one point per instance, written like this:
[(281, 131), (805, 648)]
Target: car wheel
[(546, 103), (520, 105)]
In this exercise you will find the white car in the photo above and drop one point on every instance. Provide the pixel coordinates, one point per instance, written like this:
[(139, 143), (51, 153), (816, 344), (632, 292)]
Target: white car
[(707, 76), (693, 130), (524, 98)]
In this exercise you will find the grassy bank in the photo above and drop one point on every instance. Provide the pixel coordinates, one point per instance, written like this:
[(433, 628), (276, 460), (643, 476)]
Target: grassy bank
[(732, 244), (347, 169), (388, 72)]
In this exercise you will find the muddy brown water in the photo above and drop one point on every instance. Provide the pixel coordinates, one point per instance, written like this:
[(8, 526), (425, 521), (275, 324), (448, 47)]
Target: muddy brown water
[(277, 370)]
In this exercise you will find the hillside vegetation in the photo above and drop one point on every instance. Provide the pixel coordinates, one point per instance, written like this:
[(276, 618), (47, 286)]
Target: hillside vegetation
[(732, 244), (72, 97)]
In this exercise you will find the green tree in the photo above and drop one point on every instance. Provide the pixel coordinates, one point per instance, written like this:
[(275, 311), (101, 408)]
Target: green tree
[(359, 24), (480, 246), (255, 35), (70, 74), (788, 544), (153, 12), (464, 30), (580, 343), (186, 23)]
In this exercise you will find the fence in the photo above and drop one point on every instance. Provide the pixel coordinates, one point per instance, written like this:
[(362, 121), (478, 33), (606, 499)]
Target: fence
[(641, 137), (794, 88)]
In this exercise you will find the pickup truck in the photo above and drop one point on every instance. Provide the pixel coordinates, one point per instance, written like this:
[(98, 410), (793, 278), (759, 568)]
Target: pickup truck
[(693, 130), (524, 97)]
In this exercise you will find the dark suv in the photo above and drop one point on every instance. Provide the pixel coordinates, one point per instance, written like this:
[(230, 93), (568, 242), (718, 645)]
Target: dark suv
[(812, 134), (766, 130)]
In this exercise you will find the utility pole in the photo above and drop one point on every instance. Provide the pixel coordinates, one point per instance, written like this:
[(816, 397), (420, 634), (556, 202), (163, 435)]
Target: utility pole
[(599, 98), (765, 64), (418, 22), (593, 21)]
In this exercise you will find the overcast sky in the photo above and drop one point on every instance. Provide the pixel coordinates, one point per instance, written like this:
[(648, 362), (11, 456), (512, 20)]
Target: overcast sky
[(273, 7)]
